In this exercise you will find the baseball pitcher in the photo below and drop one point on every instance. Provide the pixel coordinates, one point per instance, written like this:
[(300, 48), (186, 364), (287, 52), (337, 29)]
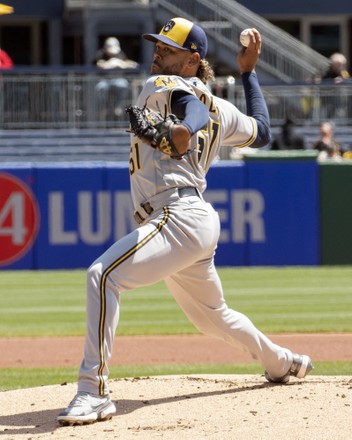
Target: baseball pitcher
[(177, 129)]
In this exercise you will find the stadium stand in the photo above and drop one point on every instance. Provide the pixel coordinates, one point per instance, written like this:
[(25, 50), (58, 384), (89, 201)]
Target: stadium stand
[(64, 145)]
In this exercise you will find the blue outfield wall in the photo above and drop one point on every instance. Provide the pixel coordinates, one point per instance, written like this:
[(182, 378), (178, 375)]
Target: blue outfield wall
[(63, 216)]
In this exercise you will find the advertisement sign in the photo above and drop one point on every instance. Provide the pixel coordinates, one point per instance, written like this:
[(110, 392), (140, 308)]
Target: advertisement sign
[(63, 216), (19, 218)]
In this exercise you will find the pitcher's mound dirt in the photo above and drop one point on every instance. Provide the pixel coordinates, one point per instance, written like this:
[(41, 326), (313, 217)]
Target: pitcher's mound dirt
[(221, 407)]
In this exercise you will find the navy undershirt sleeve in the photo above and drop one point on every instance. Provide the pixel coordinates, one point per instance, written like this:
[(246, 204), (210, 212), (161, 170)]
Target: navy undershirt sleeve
[(256, 107), (193, 113)]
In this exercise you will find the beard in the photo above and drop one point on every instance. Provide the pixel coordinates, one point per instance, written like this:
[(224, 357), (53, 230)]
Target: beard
[(173, 69)]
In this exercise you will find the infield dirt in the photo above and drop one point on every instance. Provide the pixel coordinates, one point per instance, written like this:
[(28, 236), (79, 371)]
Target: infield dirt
[(192, 407), (154, 350)]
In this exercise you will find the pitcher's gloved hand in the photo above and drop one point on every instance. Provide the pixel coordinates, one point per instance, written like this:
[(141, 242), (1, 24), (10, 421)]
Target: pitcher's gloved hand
[(154, 129)]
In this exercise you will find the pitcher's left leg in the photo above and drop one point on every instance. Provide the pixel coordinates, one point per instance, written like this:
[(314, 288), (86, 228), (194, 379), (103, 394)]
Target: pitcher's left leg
[(198, 292)]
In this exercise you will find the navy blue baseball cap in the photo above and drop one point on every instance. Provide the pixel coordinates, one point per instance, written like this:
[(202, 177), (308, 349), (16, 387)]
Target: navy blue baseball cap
[(183, 34)]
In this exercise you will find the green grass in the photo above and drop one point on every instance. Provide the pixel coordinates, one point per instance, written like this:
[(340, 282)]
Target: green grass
[(277, 300), (16, 378)]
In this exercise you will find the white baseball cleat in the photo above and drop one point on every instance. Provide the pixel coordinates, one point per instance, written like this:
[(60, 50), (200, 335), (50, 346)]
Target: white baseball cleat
[(300, 367), (86, 408)]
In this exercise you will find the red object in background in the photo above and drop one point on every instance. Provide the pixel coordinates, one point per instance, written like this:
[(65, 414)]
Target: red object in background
[(5, 60), (19, 218)]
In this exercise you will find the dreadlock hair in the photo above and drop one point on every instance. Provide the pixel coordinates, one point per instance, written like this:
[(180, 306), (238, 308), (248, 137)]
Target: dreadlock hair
[(205, 71)]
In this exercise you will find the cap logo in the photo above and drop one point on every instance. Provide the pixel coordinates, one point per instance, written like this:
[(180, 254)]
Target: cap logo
[(169, 25), (182, 34)]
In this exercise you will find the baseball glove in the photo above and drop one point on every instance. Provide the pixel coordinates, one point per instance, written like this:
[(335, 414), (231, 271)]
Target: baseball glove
[(154, 129)]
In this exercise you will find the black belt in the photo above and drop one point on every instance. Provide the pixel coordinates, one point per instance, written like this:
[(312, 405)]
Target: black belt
[(186, 191)]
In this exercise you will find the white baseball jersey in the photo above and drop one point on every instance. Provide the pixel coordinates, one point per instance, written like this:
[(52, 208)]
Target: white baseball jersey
[(176, 243), (153, 172)]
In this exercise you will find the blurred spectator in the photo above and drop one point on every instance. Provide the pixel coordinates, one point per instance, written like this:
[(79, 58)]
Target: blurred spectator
[(327, 146), (288, 138), (113, 92), (110, 56), (330, 153), (334, 107), (5, 60), (337, 70)]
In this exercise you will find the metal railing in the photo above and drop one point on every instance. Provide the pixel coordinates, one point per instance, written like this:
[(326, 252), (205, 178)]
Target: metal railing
[(67, 100), (79, 100), (283, 56)]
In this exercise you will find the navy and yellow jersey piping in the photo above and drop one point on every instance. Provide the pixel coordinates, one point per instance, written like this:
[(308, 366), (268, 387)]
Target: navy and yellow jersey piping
[(253, 137), (105, 274)]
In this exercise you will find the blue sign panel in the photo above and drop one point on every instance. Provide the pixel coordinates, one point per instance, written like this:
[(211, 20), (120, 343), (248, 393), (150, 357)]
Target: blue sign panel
[(289, 210), (75, 215), (63, 216), (225, 180)]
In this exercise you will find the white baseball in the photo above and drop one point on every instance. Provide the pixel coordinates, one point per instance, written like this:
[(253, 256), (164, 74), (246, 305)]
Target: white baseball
[(244, 37)]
